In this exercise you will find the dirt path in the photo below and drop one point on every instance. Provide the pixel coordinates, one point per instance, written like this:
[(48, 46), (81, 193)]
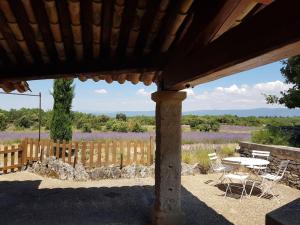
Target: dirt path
[(26, 198)]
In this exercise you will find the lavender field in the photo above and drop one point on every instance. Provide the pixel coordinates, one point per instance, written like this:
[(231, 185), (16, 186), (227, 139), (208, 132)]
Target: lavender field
[(187, 137)]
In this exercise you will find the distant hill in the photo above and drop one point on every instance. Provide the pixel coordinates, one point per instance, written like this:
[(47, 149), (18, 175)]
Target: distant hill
[(282, 112)]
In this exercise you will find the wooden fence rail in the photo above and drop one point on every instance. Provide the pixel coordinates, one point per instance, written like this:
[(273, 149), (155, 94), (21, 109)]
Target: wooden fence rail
[(11, 158), (91, 154)]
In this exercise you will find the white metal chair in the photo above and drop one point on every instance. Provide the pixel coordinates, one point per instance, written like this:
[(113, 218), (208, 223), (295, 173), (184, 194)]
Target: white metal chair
[(241, 179), (217, 166), (270, 179), (261, 155)]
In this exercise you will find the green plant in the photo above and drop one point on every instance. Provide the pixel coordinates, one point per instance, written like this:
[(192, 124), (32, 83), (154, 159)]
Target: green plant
[(227, 150), (271, 135), (23, 122), (61, 122), (121, 116), (119, 126), (291, 72), (86, 128), (3, 122), (136, 127)]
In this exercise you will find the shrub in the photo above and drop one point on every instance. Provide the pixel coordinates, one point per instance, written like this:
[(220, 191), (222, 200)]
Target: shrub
[(3, 122), (120, 126), (86, 128), (121, 116), (23, 122), (227, 150), (271, 135), (109, 124), (136, 127)]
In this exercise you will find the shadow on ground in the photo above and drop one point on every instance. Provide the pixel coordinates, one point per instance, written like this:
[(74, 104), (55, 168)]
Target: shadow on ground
[(236, 191), (21, 202)]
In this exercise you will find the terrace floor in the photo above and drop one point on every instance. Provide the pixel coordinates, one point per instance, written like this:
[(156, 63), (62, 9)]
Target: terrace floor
[(26, 198)]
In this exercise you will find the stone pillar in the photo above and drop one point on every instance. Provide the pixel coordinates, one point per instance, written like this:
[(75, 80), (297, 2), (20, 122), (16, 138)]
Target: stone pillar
[(167, 205)]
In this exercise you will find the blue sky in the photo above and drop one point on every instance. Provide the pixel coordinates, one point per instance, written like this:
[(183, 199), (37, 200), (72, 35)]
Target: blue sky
[(240, 91)]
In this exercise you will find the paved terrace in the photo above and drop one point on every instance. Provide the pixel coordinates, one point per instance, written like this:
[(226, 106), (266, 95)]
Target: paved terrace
[(26, 198)]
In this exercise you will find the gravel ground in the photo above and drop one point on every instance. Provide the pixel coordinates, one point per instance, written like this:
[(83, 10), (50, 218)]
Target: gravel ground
[(26, 198)]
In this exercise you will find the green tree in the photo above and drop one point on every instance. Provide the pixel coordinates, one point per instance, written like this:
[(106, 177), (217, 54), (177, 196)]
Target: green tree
[(61, 122), (291, 73), (3, 122), (121, 116), (24, 122)]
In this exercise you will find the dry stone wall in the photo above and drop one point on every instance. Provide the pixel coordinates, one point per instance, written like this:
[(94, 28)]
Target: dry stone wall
[(278, 153)]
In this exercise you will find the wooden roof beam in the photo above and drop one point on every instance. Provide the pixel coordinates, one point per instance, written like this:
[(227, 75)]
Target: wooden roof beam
[(23, 21), (68, 69), (276, 36)]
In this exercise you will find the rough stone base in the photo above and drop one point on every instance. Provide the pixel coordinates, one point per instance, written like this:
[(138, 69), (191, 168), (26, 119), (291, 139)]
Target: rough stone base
[(168, 218)]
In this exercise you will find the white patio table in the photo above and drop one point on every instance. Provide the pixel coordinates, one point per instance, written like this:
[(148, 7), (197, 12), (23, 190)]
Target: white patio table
[(246, 161)]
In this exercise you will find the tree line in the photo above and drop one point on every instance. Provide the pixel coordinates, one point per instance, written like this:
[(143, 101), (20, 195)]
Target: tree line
[(25, 118)]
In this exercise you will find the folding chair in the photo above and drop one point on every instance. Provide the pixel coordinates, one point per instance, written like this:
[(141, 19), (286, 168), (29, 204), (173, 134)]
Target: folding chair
[(261, 155), (269, 180), (217, 166)]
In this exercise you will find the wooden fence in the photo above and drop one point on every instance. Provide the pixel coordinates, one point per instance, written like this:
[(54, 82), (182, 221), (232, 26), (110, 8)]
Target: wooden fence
[(11, 158), (91, 154)]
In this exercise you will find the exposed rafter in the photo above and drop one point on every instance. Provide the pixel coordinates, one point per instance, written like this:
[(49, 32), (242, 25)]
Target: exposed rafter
[(239, 49)]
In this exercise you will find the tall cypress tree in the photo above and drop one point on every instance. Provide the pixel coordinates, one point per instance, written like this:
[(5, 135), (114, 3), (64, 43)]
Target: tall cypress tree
[(61, 122)]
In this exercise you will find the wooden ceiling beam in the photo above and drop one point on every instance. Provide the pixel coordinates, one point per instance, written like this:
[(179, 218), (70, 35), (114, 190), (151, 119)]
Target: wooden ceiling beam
[(107, 14), (87, 29), (22, 19), (11, 40), (65, 26), (44, 27), (68, 69), (127, 22), (4, 58), (276, 36), (152, 7)]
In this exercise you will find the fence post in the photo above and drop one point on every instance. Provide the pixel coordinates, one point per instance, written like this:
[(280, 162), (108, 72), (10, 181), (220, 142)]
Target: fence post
[(24, 152), (5, 159), (20, 152), (151, 151), (83, 152)]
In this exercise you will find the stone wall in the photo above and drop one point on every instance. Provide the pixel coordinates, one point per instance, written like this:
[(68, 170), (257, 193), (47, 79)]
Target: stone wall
[(278, 153)]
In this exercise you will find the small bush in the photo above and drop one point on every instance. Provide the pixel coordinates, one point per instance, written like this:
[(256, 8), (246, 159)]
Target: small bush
[(23, 122), (227, 150), (3, 122), (197, 156), (271, 135), (136, 127), (86, 128), (121, 116), (120, 126)]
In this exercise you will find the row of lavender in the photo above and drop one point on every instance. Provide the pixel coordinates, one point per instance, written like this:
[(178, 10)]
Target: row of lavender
[(187, 137)]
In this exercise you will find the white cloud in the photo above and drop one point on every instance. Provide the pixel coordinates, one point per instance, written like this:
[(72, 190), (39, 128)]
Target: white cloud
[(101, 91), (235, 96), (143, 92), (272, 86)]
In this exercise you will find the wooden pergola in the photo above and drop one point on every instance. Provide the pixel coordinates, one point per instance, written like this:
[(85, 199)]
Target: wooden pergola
[(174, 43)]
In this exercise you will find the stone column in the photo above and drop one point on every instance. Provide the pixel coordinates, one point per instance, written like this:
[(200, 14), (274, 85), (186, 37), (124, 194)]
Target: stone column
[(167, 205)]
